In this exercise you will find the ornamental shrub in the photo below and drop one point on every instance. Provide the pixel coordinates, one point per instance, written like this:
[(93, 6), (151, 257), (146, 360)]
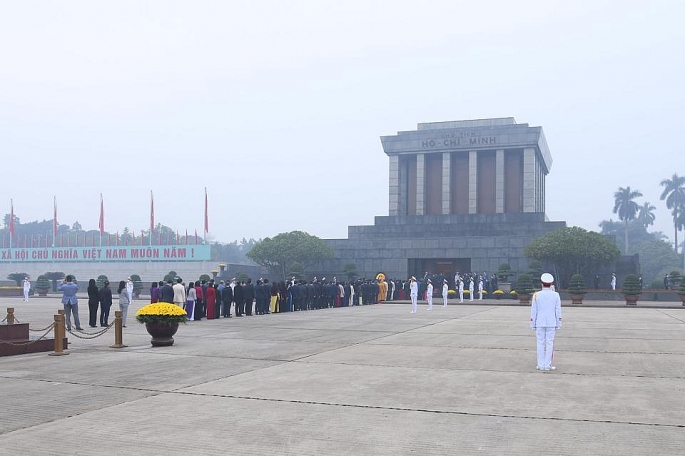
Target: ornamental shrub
[(631, 285), (524, 285), (577, 285)]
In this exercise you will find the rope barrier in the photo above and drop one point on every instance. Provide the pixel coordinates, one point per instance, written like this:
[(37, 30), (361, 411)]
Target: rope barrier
[(89, 336)]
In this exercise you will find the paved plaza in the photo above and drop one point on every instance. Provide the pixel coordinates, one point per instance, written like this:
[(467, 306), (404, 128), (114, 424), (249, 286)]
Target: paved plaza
[(372, 380)]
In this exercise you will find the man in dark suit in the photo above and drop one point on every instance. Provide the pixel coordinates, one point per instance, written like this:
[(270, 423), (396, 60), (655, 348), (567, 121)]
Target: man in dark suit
[(238, 299), (248, 296), (167, 293)]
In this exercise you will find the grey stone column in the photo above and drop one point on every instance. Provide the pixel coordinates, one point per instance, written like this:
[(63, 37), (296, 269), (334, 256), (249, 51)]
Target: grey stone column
[(473, 182), (499, 181), (394, 186), (403, 204), (529, 179), (446, 183), (420, 184)]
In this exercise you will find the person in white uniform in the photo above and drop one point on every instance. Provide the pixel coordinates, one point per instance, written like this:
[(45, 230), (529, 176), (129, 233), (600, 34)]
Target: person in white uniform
[(471, 289), (129, 289), (545, 319), (461, 290), (480, 288), (613, 281), (27, 288), (445, 290), (429, 295), (413, 293)]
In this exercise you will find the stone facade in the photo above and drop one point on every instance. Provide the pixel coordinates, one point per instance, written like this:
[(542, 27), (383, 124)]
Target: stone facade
[(463, 196)]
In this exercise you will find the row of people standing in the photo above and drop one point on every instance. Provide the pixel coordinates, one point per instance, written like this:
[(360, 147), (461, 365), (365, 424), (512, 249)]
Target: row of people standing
[(212, 300), (98, 299)]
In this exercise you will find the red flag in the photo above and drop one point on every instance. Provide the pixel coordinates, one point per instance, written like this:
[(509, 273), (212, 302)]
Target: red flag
[(206, 214), (11, 221), (54, 220), (152, 213), (102, 215)]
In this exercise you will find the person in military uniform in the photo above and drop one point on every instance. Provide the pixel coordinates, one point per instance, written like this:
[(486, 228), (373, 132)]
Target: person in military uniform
[(429, 294), (545, 319), (414, 294)]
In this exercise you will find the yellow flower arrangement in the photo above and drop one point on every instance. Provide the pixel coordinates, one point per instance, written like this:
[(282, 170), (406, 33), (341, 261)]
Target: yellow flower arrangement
[(498, 292), (161, 312), (11, 288)]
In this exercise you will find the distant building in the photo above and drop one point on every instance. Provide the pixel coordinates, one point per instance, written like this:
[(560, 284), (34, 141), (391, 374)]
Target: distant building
[(464, 196)]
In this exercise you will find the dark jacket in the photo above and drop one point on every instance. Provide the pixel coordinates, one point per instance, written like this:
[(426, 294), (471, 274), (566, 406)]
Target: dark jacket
[(105, 297), (167, 293)]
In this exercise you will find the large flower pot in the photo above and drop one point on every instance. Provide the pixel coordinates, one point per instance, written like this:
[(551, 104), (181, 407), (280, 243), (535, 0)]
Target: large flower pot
[(631, 300), (162, 333), (524, 298), (682, 298), (577, 299)]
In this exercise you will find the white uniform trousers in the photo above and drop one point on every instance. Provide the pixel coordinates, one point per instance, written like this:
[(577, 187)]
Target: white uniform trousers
[(461, 295), (430, 301), (545, 339), (414, 304), (444, 300)]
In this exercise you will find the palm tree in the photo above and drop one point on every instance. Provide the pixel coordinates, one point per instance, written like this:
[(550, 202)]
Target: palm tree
[(626, 208), (646, 216), (674, 194)]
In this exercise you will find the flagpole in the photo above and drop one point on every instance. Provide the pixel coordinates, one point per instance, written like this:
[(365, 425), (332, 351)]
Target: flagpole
[(102, 218), (11, 222), (152, 216), (206, 216), (54, 221)]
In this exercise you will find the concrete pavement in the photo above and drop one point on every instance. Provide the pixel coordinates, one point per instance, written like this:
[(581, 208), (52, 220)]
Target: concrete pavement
[(372, 380)]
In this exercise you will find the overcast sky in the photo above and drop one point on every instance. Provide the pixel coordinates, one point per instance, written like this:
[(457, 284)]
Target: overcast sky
[(277, 106)]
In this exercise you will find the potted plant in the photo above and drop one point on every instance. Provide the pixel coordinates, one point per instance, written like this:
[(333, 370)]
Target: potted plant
[(524, 288), (137, 285), (681, 292), (631, 289), (42, 285), (161, 321), (503, 275), (451, 294), (498, 294), (577, 289)]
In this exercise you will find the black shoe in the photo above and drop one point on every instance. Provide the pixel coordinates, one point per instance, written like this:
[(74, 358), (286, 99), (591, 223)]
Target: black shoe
[(79, 329)]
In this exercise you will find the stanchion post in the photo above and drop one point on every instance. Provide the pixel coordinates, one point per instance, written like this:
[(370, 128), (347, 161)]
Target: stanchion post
[(59, 336), (118, 330), (10, 315)]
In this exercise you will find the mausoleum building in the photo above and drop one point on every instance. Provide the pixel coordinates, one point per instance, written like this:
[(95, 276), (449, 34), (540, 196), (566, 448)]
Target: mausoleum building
[(463, 196)]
